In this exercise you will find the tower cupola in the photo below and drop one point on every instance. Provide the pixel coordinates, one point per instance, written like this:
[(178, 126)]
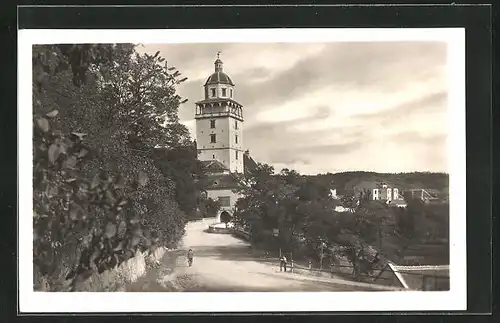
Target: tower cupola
[(219, 77), (218, 64)]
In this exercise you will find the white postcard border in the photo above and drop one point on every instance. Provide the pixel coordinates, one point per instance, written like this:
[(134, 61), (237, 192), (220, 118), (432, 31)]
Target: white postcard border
[(40, 302)]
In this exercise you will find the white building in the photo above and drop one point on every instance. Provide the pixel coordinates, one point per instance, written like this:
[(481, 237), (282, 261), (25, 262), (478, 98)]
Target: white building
[(219, 137)]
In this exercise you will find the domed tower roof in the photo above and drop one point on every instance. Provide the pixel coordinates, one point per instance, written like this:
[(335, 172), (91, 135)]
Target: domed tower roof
[(219, 77)]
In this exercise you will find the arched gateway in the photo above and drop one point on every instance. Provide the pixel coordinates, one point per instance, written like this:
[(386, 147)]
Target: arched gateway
[(225, 217)]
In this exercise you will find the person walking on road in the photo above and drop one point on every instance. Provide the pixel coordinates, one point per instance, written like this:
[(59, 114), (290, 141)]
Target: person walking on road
[(190, 257), (284, 262)]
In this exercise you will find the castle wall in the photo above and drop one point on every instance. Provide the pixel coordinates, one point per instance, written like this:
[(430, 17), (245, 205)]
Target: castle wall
[(216, 193)]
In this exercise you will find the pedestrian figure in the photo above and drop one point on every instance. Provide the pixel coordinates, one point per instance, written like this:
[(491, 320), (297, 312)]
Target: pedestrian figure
[(284, 263), (281, 263), (310, 264), (190, 257)]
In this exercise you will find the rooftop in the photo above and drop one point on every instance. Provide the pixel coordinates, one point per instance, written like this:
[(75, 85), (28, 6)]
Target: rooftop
[(213, 165), (219, 78), (221, 181)]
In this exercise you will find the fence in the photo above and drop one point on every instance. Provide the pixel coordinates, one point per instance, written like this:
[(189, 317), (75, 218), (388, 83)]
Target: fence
[(409, 277), (220, 230), (241, 234), (423, 277)]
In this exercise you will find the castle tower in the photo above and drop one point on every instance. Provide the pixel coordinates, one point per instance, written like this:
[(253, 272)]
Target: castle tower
[(219, 122)]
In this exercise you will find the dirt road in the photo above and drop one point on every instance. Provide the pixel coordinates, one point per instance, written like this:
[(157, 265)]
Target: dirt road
[(223, 263)]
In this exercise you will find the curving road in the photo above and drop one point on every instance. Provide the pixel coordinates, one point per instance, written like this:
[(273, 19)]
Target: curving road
[(223, 263)]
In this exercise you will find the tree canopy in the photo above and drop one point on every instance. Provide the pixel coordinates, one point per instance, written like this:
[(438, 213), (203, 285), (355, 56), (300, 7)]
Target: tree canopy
[(99, 194), (305, 214)]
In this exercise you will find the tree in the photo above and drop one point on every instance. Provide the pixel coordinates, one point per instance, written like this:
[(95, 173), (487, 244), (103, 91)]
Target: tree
[(405, 222), (300, 208), (81, 224), (212, 207), (349, 201), (96, 127), (181, 165)]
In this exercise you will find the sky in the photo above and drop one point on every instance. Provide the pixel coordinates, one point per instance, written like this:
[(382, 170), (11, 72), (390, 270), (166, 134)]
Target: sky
[(329, 107)]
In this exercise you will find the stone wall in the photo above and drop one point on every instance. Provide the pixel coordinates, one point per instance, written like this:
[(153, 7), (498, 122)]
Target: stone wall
[(220, 230), (110, 280)]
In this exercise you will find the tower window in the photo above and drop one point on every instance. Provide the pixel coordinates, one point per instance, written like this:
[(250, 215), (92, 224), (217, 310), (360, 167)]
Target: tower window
[(213, 138), (212, 124), (213, 156), (230, 93), (236, 155), (213, 92), (224, 92), (235, 124), (236, 138)]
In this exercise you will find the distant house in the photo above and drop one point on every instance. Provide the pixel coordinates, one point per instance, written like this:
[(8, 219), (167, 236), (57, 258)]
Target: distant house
[(340, 208), (333, 194), (397, 203), (427, 195), (381, 192)]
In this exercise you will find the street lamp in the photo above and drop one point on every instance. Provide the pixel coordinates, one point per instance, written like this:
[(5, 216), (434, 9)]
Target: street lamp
[(321, 255), (276, 233)]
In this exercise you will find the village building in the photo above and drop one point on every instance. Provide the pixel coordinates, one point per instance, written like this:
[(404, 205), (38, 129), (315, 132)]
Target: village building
[(383, 191)]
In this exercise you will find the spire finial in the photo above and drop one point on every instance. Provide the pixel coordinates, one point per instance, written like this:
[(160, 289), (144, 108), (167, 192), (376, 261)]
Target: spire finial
[(218, 63)]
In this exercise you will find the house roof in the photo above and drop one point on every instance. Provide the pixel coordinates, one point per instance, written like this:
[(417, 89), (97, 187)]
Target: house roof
[(249, 163), (213, 165), (221, 181), (411, 276)]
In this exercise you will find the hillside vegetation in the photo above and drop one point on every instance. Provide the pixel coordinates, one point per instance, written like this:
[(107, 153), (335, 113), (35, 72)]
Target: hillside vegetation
[(346, 180)]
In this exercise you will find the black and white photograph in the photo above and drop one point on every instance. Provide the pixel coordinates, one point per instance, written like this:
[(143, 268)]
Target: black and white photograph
[(190, 170)]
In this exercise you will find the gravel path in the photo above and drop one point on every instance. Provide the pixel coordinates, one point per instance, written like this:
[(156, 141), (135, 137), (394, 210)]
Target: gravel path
[(223, 263)]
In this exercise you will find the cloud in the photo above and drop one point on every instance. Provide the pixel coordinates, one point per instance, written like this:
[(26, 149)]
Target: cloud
[(415, 137), (424, 104), (385, 66), (322, 107)]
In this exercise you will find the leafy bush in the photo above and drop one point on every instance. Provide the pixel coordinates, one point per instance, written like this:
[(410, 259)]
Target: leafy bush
[(98, 196)]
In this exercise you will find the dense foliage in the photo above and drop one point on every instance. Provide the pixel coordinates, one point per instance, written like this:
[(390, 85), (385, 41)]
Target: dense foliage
[(181, 164), (99, 113), (209, 207), (303, 211)]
